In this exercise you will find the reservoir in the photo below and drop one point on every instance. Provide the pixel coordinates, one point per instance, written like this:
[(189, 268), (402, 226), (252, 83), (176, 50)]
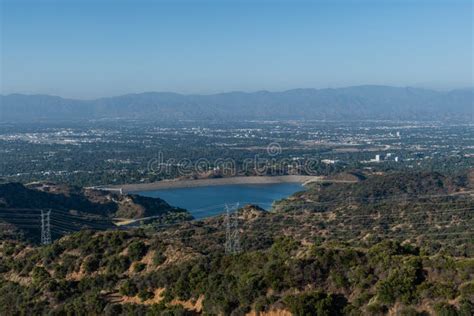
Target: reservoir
[(210, 200)]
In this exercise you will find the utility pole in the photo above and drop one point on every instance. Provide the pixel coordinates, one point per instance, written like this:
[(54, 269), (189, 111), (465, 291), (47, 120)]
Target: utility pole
[(45, 227), (232, 235)]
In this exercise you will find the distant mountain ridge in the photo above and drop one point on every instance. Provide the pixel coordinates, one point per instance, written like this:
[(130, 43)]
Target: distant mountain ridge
[(351, 103)]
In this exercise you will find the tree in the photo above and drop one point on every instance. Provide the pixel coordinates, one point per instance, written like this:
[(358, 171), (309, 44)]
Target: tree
[(136, 250)]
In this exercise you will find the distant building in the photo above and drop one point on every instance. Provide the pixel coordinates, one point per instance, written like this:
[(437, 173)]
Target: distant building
[(378, 158), (398, 134)]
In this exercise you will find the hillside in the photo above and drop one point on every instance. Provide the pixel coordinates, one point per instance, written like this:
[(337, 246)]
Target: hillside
[(73, 208), (123, 273), (351, 103), (396, 244)]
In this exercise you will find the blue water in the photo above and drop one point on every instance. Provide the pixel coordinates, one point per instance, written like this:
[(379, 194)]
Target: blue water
[(209, 201)]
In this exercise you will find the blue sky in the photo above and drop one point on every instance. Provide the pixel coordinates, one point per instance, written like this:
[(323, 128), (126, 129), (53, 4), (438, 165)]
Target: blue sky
[(87, 49)]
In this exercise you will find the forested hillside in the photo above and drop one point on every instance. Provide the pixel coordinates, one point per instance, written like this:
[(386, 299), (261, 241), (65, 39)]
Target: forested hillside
[(395, 244)]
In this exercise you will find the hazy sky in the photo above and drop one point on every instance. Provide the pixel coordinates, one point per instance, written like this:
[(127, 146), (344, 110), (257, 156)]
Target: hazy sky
[(86, 49)]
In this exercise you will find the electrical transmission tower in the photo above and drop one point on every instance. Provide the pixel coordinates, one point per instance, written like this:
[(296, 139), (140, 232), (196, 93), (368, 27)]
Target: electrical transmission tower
[(232, 235), (45, 227)]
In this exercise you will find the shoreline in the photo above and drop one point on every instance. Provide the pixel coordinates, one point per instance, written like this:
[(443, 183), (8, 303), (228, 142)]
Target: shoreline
[(177, 184)]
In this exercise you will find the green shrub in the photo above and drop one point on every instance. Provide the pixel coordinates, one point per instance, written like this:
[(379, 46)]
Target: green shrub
[(60, 271), (362, 299), (158, 258), (437, 290), (91, 264), (128, 288), (467, 289), (39, 275), (145, 295), (445, 309), (466, 307), (139, 266), (339, 279), (137, 250), (118, 264), (315, 303), (283, 247), (401, 283)]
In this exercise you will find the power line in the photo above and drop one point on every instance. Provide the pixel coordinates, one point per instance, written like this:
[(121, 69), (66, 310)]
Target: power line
[(399, 197), (378, 215), (66, 220), (79, 221)]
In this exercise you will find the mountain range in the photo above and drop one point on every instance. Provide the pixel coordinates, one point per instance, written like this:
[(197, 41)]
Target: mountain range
[(351, 103)]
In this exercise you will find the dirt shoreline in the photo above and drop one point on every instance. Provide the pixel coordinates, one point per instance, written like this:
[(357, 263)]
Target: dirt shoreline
[(175, 184)]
